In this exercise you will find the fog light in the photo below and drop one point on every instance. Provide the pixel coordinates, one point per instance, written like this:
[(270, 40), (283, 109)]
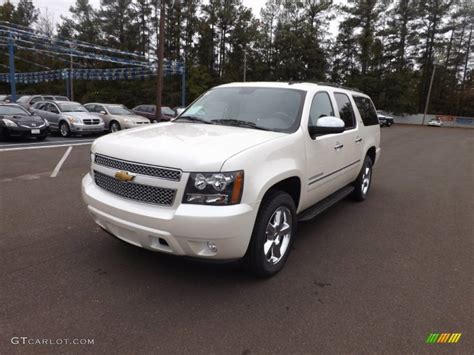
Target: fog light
[(212, 247)]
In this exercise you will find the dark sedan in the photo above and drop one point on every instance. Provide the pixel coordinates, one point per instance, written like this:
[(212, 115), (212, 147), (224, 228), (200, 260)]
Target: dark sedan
[(149, 111), (16, 121)]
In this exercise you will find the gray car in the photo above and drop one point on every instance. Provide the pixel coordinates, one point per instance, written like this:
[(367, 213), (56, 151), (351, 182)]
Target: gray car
[(68, 117), (116, 116)]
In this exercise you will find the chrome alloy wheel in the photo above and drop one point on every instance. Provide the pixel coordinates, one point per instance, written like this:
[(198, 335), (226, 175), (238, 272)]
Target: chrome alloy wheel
[(366, 179), (63, 130), (277, 235)]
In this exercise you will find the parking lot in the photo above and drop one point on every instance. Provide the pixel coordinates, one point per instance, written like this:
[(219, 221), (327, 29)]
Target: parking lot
[(372, 277)]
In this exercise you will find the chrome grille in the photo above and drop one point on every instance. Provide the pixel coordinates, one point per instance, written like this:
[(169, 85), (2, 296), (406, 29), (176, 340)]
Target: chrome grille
[(91, 121), (133, 191), (162, 173)]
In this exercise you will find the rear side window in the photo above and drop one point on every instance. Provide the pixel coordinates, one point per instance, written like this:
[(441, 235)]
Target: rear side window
[(346, 112), (367, 110), (320, 107)]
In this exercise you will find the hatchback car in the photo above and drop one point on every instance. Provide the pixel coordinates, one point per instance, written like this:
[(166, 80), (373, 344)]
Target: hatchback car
[(68, 117), (16, 121), (116, 117)]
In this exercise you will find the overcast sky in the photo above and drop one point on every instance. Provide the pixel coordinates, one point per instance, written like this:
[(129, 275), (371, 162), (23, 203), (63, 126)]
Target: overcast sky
[(61, 7)]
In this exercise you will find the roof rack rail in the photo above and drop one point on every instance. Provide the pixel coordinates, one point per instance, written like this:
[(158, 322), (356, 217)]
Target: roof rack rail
[(326, 84)]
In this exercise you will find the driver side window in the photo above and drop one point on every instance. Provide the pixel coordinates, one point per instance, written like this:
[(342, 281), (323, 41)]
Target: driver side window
[(320, 107)]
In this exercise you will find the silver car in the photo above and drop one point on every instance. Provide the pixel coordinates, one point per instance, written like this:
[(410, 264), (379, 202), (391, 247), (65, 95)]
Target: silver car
[(68, 117), (116, 117)]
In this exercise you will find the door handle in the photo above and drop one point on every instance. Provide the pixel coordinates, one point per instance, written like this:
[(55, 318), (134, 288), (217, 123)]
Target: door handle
[(338, 146), (358, 140)]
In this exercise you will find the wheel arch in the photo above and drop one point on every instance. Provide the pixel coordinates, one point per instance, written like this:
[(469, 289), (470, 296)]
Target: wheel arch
[(291, 185)]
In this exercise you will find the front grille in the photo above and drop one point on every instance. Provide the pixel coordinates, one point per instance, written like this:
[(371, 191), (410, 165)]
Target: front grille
[(133, 191), (155, 171), (91, 121)]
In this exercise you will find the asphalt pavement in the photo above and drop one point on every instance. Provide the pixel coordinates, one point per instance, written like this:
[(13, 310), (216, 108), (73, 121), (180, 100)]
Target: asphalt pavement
[(371, 277)]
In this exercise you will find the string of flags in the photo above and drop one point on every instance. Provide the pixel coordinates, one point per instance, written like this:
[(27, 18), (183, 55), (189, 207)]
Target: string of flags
[(170, 68)]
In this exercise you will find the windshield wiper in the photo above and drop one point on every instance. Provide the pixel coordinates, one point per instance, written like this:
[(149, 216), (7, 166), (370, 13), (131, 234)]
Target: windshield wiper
[(193, 119), (240, 123)]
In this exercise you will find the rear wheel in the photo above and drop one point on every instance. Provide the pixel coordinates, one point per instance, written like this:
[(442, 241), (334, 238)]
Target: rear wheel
[(64, 130), (364, 180), (273, 234)]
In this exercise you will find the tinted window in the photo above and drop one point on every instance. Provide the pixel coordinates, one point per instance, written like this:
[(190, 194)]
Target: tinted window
[(346, 111), (366, 110), (167, 111), (35, 99), (320, 107)]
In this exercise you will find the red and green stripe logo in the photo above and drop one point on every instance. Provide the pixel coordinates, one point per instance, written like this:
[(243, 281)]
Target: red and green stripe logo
[(443, 338)]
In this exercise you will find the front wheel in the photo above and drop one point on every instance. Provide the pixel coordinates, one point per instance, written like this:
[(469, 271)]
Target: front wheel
[(64, 130), (273, 234), (364, 180), (115, 127)]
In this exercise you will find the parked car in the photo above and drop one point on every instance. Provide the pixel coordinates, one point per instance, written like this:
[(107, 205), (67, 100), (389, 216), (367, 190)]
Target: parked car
[(116, 117), (3, 98), (179, 110), (149, 111), (231, 177), (384, 119), (16, 121), (435, 122), (29, 100), (68, 117)]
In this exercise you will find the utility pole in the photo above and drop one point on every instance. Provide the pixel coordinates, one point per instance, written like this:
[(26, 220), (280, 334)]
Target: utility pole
[(11, 54), (161, 54), (245, 64), (71, 91), (429, 94)]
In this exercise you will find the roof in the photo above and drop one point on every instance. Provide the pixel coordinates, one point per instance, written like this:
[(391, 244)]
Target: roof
[(297, 85)]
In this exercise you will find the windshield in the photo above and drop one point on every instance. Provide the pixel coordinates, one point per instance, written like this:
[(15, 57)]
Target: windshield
[(23, 99), (73, 107), (12, 110), (275, 109), (119, 110)]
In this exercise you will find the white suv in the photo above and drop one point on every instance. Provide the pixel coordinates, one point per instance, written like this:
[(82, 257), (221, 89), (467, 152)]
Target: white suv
[(232, 175)]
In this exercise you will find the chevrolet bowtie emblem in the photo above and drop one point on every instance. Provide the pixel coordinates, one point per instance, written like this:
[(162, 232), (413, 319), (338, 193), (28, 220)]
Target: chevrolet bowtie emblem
[(124, 176)]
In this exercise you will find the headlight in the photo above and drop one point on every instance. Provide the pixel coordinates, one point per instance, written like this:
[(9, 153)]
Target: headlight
[(92, 162), (214, 188), (9, 123), (73, 119)]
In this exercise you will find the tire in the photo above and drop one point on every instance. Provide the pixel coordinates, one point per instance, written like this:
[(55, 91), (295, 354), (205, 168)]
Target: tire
[(363, 181), (267, 254), (389, 124), (115, 126), (64, 130)]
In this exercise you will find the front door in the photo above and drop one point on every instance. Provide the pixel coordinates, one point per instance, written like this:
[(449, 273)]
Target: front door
[(324, 154)]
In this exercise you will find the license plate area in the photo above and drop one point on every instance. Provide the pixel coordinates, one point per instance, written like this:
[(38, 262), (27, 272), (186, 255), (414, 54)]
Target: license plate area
[(35, 131)]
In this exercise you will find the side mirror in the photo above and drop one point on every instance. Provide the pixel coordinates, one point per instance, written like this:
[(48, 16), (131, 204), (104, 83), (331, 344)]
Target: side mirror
[(327, 125), (103, 112)]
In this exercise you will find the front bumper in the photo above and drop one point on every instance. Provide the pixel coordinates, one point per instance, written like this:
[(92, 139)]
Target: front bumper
[(25, 131), (134, 125), (189, 230), (86, 128)]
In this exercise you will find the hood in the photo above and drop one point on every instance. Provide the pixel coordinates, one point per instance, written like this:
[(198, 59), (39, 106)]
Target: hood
[(30, 121), (185, 146), (81, 115)]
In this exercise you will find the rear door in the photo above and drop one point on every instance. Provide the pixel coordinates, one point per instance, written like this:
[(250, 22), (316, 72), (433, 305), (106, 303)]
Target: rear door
[(53, 114), (324, 157)]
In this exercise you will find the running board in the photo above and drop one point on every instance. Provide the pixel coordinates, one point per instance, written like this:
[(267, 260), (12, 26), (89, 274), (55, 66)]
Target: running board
[(322, 205)]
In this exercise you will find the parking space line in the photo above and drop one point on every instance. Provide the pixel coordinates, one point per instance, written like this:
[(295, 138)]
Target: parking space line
[(61, 162), (45, 146)]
